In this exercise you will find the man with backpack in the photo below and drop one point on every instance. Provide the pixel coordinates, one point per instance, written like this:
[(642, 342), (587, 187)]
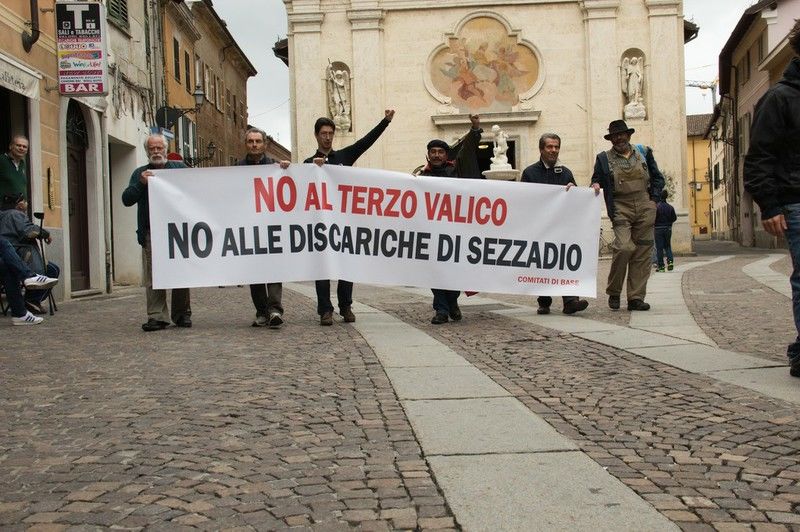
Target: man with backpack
[(632, 184)]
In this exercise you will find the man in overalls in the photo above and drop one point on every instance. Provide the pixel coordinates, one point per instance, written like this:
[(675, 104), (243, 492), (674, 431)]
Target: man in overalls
[(632, 183)]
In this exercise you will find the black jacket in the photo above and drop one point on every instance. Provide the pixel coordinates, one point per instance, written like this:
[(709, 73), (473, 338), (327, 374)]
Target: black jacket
[(603, 175), (264, 160), (665, 215), (466, 159), (349, 155), (772, 164), (137, 194), (555, 175)]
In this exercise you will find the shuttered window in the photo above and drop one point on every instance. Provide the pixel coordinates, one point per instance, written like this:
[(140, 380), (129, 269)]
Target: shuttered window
[(118, 12)]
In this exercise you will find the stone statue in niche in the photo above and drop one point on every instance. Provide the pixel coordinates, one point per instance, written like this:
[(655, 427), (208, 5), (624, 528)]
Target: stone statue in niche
[(500, 160), (339, 95), (632, 79)]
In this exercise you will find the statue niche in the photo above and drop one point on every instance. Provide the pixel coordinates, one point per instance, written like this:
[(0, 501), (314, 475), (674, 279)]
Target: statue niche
[(632, 79), (339, 99)]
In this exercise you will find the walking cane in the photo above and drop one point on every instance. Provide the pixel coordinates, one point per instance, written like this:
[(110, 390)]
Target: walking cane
[(51, 300)]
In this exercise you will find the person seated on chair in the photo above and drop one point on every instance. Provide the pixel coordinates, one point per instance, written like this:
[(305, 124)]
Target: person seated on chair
[(14, 272), (22, 233)]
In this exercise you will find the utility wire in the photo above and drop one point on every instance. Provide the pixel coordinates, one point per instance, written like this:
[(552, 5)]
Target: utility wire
[(270, 110)]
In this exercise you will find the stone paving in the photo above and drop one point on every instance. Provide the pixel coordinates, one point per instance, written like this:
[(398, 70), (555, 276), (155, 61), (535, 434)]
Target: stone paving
[(222, 426), (737, 312), (225, 426), (708, 455)]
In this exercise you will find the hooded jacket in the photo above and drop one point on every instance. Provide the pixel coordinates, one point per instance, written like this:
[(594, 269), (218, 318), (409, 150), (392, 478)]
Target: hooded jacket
[(772, 164)]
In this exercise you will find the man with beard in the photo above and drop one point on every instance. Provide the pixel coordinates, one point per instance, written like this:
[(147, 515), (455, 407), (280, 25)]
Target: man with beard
[(266, 298), (445, 302), (158, 315), (632, 184), (548, 172)]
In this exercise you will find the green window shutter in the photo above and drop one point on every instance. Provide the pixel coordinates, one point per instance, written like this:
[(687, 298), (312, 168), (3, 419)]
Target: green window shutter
[(118, 11)]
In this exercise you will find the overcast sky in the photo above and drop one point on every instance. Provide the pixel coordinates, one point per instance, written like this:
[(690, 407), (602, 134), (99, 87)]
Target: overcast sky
[(258, 24), (716, 19)]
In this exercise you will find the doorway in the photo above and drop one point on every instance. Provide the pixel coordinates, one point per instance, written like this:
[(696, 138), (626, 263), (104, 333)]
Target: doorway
[(14, 110), (77, 144)]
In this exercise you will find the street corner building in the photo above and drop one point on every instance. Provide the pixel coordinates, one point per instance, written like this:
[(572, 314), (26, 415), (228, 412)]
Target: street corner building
[(563, 66), (86, 82)]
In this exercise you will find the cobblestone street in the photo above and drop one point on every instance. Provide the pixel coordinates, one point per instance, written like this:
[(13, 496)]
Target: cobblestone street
[(229, 427)]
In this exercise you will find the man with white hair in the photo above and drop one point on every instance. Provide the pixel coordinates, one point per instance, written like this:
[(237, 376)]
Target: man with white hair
[(158, 315)]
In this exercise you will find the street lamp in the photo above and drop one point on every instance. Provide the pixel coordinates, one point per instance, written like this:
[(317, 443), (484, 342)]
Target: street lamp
[(718, 136), (167, 116), (211, 149)]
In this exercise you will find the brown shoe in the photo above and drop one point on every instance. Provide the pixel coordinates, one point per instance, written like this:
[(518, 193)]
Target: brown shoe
[(347, 314), (326, 319)]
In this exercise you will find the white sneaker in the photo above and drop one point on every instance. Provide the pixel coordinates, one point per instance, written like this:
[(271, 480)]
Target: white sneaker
[(275, 320), (27, 319), (40, 282)]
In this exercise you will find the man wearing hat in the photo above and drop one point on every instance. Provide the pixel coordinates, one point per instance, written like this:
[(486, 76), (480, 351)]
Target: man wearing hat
[(632, 184), (445, 302)]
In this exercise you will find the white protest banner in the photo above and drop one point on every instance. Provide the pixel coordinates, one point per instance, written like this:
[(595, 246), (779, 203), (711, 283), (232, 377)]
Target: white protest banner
[(255, 224)]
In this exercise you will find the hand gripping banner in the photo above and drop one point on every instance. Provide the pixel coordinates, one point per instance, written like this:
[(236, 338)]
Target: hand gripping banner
[(256, 224)]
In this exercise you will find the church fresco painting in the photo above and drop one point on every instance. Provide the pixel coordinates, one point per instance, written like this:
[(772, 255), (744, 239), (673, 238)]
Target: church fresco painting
[(483, 68)]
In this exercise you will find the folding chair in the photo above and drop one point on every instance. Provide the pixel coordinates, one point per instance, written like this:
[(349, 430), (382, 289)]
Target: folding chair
[(51, 300), (4, 306)]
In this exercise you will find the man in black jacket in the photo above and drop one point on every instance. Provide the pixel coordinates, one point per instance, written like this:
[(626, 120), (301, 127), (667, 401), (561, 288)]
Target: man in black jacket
[(158, 313), (772, 172), (548, 172), (324, 130), (665, 217), (266, 298), (445, 302)]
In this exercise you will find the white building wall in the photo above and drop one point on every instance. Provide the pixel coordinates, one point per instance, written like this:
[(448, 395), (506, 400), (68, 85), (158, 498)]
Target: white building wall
[(387, 44), (128, 118)]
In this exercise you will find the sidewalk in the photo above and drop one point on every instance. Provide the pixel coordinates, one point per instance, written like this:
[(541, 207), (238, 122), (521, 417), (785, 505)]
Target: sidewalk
[(504, 421)]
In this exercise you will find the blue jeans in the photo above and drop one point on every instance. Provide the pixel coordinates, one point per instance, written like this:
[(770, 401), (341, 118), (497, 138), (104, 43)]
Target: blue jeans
[(13, 271), (792, 215), (663, 238)]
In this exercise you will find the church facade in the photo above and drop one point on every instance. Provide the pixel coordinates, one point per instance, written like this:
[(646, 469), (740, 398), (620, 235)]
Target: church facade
[(530, 66)]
